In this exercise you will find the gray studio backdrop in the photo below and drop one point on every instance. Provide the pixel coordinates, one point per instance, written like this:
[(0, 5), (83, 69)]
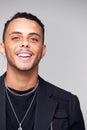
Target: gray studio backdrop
[(65, 63)]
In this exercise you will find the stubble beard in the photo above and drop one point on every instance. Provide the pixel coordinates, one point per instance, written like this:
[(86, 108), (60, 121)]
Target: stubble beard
[(34, 66)]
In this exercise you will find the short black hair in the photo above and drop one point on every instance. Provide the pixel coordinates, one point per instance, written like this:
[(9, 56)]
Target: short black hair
[(27, 16)]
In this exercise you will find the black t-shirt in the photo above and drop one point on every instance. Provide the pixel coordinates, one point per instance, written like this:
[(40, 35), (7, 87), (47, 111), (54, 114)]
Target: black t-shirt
[(20, 104)]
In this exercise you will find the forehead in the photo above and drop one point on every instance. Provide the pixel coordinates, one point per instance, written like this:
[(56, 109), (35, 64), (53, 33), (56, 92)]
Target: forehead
[(24, 25)]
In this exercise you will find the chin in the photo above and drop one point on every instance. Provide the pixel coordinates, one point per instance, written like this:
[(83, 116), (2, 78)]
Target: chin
[(26, 69)]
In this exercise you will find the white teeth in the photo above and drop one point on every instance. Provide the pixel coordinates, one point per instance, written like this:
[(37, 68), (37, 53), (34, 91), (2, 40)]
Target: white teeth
[(24, 54)]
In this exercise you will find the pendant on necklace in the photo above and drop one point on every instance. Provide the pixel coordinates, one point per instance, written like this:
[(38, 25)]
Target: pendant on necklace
[(20, 128)]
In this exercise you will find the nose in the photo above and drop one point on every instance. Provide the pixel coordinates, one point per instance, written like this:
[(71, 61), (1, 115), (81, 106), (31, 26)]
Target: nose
[(24, 43)]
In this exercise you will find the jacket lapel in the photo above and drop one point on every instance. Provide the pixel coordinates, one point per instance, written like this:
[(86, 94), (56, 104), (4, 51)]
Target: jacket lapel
[(2, 105), (45, 108)]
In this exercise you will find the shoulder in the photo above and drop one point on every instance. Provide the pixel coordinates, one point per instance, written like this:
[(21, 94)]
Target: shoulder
[(2, 77), (66, 101), (58, 93)]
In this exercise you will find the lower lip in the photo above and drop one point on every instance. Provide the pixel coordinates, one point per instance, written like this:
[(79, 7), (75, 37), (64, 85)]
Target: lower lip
[(24, 58)]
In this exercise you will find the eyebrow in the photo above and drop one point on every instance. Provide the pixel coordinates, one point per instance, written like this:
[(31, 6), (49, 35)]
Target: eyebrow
[(15, 33), (33, 33)]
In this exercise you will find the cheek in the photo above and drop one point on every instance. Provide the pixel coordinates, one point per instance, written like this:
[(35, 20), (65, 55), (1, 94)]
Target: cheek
[(9, 50), (38, 51)]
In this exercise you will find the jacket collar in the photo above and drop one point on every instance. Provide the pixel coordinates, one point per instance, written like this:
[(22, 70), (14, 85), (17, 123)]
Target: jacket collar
[(2, 104), (45, 107)]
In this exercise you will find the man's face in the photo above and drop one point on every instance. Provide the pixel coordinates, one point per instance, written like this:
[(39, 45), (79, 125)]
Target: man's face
[(23, 44)]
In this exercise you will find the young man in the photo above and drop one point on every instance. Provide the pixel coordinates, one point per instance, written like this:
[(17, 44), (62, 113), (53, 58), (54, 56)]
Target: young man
[(27, 102)]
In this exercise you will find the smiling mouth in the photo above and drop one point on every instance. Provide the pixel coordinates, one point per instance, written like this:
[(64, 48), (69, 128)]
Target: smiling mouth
[(24, 56)]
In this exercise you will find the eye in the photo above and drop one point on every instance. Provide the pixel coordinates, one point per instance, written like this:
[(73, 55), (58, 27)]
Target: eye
[(15, 38), (34, 40)]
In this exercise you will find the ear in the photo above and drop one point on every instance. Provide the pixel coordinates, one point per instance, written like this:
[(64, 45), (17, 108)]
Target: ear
[(2, 49), (44, 50)]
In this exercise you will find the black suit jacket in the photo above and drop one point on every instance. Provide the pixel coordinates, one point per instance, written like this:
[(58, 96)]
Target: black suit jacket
[(56, 109)]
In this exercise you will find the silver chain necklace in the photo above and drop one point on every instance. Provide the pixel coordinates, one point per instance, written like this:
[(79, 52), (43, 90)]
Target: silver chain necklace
[(20, 122), (24, 94)]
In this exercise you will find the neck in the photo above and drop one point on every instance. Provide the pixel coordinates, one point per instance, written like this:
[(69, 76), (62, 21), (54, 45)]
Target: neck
[(20, 80)]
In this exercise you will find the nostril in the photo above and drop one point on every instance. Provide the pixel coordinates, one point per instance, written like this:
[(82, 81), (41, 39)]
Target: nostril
[(22, 45), (26, 45)]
